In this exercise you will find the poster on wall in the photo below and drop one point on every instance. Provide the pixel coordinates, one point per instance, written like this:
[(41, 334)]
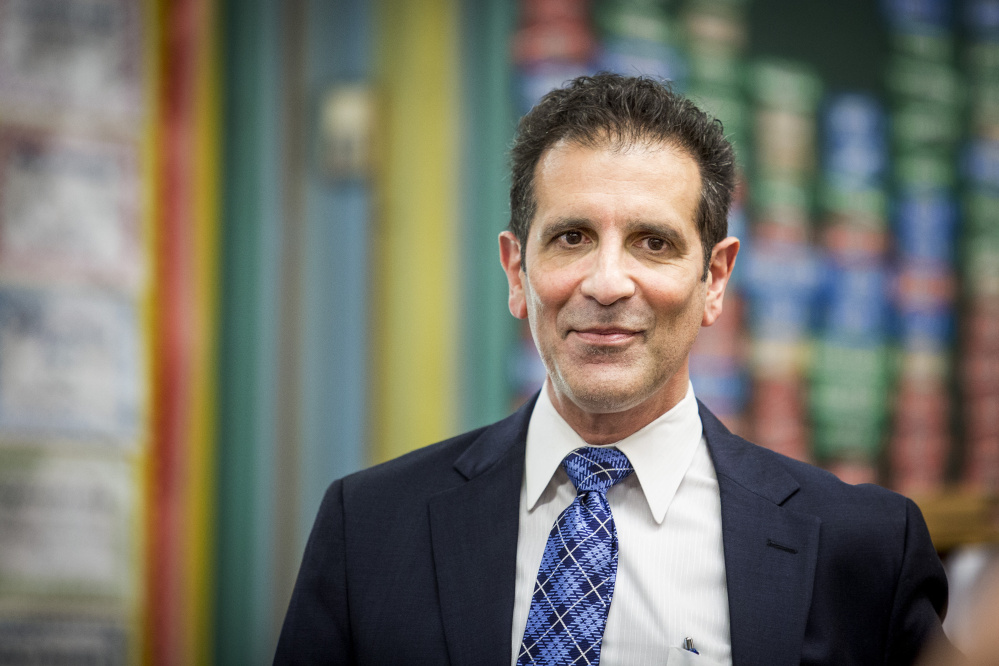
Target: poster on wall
[(76, 145), (69, 366), (65, 526), (69, 56), (68, 210)]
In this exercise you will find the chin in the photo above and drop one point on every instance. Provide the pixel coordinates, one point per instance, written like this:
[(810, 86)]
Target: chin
[(606, 395)]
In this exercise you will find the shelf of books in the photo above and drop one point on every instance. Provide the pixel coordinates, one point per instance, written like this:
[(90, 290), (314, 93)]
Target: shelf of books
[(862, 327)]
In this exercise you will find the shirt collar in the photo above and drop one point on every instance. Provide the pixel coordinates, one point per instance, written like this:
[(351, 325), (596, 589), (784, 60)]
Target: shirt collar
[(660, 452)]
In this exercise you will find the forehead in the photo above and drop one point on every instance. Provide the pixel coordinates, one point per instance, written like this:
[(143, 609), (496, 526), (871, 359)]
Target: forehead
[(614, 180), (609, 147)]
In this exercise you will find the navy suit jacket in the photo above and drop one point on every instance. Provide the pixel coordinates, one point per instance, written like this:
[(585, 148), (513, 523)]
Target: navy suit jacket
[(413, 561)]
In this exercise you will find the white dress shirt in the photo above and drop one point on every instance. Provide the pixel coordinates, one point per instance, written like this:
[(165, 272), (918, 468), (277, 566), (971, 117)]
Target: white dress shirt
[(671, 567)]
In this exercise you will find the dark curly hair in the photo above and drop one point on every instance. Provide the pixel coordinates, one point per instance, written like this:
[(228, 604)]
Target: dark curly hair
[(624, 110)]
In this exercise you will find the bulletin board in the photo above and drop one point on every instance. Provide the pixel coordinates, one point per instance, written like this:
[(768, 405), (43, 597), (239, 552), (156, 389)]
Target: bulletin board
[(74, 346), (107, 259)]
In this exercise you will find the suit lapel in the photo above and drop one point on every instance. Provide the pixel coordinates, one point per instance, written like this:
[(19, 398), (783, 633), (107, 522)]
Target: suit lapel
[(474, 535), (770, 550)]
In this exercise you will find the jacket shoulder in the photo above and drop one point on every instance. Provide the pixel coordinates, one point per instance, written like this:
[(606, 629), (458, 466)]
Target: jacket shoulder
[(430, 468), (823, 483), (802, 485), (437, 467)]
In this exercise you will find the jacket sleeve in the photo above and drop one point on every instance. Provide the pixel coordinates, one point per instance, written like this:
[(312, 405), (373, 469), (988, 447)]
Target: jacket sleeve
[(920, 600), (317, 626)]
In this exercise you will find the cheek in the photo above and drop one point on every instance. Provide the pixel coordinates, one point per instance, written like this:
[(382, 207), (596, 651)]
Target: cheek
[(539, 315), (548, 293), (535, 309), (679, 302)]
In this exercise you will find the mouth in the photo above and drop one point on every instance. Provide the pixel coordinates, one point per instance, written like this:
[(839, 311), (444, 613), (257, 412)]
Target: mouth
[(606, 336)]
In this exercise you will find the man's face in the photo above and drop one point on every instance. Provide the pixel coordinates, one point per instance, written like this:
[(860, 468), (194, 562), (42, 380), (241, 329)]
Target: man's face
[(612, 289)]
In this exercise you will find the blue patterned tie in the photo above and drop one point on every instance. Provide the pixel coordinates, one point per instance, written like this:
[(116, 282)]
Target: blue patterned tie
[(576, 580)]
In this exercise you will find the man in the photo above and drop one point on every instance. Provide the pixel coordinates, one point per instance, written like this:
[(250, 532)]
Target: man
[(695, 546)]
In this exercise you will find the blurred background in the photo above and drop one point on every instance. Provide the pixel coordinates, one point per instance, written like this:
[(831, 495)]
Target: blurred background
[(249, 246)]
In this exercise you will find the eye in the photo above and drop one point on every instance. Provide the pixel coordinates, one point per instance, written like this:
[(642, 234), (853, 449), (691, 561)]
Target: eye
[(655, 244), (572, 237)]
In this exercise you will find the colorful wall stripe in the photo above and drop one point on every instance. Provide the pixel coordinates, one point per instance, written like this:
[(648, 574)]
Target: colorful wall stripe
[(293, 359), (488, 331), (142, 650), (415, 240), (336, 268), (202, 426), (180, 544), (248, 363)]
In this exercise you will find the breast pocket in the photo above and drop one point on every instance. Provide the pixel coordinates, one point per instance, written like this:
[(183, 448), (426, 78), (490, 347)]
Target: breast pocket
[(680, 657)]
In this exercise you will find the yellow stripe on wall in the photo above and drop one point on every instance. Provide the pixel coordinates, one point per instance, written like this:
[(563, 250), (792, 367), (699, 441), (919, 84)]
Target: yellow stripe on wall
[(140, 650), (414, 244), (200, 498)]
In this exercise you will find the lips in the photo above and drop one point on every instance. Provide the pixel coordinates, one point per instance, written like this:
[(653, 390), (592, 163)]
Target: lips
[(606, 336)]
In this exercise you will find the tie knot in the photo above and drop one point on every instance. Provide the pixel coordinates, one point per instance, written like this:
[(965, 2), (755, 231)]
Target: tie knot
[(592, 468)]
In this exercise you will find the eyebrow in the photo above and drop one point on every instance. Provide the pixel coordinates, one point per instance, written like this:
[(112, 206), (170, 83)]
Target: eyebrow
[(660, 229), (561, 225)]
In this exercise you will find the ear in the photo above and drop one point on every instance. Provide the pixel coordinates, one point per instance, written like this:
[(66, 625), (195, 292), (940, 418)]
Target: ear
[(510, 250), (719, 271)]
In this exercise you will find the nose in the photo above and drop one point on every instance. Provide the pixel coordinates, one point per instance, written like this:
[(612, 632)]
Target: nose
[(607, 280)]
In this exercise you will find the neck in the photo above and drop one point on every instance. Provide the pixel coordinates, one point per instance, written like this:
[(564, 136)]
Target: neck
[(600, 428)]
